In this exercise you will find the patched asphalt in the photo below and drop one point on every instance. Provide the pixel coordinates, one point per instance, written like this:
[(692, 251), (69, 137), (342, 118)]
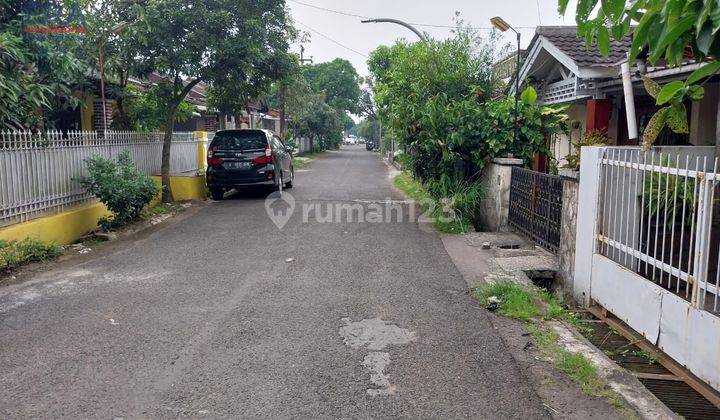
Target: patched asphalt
[(205, 318)]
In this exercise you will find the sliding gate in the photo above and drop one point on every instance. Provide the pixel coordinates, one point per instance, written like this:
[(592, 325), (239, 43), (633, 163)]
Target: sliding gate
[(536, 206)]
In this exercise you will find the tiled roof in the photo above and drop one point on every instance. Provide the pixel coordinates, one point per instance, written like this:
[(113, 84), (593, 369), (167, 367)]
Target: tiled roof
[(566, 39)]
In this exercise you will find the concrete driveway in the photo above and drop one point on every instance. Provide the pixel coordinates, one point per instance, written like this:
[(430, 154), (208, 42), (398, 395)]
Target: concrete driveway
[(206, 318)]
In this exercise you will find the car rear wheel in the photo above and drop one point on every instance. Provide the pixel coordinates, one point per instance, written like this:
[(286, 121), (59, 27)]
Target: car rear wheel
[(217, 194), (289, 184)]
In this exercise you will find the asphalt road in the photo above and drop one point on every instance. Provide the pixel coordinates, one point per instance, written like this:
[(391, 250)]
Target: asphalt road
[(205, 318)]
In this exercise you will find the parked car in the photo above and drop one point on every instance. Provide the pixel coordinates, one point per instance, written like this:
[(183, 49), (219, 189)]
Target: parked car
[(247, 158)]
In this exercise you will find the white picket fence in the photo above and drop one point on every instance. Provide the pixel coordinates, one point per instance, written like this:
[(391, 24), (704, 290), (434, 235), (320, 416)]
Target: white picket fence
[(40, 172)]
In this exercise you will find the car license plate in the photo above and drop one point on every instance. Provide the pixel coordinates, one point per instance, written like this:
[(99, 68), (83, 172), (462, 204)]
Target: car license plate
[(237, 165)]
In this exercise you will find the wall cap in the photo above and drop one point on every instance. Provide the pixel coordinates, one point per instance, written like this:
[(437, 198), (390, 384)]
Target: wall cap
[(508, 161), (570, 175)]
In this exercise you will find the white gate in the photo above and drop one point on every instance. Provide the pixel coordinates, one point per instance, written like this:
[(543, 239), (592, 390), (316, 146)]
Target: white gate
[(647, 234)]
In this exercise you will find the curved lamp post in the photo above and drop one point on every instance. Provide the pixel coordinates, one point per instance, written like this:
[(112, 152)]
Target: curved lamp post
[(401, 23), (503, 26)]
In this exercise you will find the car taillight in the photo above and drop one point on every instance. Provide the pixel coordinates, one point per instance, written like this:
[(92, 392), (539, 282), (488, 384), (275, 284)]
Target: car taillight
[(213, 161), (267, 159)]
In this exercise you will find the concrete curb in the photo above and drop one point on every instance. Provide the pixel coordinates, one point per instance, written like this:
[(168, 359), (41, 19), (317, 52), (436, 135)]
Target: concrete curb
[(627, 386)]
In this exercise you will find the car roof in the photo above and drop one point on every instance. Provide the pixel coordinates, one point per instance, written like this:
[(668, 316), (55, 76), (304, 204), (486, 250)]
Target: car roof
[(235, 130)]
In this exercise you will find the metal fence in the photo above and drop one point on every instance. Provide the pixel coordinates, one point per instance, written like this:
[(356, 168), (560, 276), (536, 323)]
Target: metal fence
[(658, 219), (536, 206), (40, 172)]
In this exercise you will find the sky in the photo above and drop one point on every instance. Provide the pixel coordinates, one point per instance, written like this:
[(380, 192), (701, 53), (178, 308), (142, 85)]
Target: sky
[(336, 35)]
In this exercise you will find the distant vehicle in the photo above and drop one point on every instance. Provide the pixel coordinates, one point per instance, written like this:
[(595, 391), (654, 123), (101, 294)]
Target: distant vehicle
[(350, 141), (247, 158), (369, 146)]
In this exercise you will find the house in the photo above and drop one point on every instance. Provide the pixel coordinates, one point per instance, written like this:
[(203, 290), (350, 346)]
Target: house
[(564, 71)]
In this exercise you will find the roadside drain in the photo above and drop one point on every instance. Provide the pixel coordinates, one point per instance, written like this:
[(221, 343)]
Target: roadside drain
[(376, 335), (645, 365)]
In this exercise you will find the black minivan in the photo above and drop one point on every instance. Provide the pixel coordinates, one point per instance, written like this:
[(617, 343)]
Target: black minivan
[(246, 158)]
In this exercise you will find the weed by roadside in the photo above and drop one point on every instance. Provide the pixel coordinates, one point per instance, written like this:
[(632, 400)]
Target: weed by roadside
[(300, 162), (14, 254), (535, 306), (443, 221), (159, 210)]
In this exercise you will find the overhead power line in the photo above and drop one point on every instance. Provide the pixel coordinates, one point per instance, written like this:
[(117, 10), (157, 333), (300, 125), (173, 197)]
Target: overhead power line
[(429, 25), (332, 40)]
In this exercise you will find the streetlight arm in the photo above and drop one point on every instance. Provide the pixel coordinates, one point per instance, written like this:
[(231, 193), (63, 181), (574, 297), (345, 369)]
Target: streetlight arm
[(401, 23)]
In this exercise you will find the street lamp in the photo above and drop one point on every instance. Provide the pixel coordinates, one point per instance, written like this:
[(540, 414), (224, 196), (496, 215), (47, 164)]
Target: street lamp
[(401, 23), (412, 28), (503, 26)]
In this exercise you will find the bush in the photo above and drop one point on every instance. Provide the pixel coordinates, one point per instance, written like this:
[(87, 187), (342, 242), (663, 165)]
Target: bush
[(14, 254), (120, 186)]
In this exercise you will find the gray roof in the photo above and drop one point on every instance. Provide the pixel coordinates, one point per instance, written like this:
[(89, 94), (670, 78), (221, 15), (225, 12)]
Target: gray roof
[(566, 39)]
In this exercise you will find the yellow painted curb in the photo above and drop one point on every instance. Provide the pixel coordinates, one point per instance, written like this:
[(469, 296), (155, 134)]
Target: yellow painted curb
[(62, 228)]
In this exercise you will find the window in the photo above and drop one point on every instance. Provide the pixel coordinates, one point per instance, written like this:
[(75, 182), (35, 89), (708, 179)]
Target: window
[(240, 140)]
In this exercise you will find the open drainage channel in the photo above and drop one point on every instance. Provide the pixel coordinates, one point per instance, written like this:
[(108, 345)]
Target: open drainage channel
[(669, 382), (677, 388)]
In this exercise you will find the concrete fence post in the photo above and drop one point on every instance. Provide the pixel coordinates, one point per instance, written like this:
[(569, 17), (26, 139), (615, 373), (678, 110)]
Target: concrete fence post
[(202, 145), (495, 205), (587, 221)]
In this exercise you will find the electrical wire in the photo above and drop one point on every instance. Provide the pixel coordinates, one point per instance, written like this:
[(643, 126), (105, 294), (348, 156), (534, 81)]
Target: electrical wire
[(331, 39), (429, 25)]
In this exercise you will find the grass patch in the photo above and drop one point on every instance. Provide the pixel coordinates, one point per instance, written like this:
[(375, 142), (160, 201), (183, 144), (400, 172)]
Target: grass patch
[(14, 254), (415, 190), (154, 211), (301, 163), (534, 306)]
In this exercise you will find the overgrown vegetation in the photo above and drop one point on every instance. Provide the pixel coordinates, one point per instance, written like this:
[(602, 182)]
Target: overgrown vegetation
[(452, 214), (120, 186), (438, 101), (589, 138), (533, 306), (14, 254)]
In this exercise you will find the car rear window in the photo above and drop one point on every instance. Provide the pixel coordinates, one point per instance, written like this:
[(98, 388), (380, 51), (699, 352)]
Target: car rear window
[(240, 140)]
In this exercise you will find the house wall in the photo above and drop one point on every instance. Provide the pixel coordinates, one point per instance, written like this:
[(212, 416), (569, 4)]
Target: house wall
[(562, 146), (703, 117)]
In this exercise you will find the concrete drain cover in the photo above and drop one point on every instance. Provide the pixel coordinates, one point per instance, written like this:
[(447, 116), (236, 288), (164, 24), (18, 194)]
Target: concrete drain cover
[(376, 334)]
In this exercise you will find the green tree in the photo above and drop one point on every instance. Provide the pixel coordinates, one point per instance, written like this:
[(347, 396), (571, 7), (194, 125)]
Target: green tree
[(230, 44), (338, 80), (660, 29), (437, 101), (319, 122), (369, 130), (39, 72)]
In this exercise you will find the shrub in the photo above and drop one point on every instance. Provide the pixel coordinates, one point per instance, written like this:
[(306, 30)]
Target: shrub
[(590, 138), (14, 254), (120, 186)]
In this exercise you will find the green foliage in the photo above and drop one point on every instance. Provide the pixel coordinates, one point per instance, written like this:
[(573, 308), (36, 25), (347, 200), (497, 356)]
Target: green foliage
[(146, 110), (38, 72), (669, 193), (436, 102), (120, 186), (669, 30), (521, 302), (14, 254), (451, 207), (319, 122), (338, 80), (590, 138), (369, 130)]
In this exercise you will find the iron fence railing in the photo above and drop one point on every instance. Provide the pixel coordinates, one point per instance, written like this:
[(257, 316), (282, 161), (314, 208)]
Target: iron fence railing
[(40, 172), (658, 219), (536, 206)]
